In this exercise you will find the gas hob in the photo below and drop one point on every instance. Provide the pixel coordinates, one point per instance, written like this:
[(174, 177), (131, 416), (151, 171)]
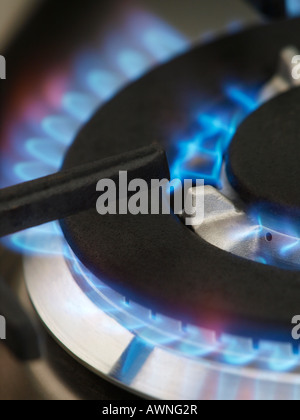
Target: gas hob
[(124, 305)]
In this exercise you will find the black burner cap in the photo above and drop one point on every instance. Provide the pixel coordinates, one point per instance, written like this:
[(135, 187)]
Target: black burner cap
[(263, 161)]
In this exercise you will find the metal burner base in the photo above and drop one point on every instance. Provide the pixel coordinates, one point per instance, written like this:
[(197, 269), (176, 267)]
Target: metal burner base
[(100, 344)]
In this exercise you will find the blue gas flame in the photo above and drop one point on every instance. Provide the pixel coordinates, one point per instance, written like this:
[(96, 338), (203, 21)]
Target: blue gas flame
[(292, 7), (202, 156)]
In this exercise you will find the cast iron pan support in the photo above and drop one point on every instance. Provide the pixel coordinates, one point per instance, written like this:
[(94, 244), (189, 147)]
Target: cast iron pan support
[(53, 198)]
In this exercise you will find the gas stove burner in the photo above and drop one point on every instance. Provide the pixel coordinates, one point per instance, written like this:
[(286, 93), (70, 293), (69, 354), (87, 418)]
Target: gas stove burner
[(263, 163), (197, 283), (151, 293)]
